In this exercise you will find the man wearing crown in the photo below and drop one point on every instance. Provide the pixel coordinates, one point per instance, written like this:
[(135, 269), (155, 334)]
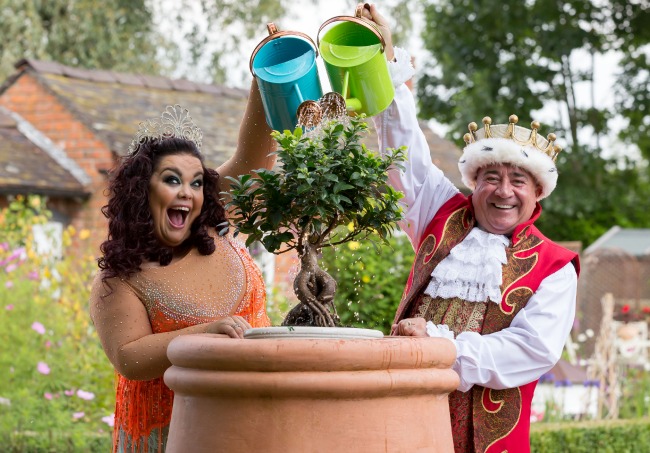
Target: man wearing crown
[(484, 276)]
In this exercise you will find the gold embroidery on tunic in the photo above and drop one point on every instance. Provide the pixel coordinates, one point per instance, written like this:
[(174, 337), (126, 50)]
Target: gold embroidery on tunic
[(459, 315), (498, 425), (487, 395)]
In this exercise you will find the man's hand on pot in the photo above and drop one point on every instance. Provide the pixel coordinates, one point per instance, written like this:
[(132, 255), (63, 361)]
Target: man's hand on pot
[(411, 327)]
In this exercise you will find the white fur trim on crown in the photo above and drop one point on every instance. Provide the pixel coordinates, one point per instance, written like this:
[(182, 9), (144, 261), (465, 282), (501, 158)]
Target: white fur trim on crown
[(490, 151)]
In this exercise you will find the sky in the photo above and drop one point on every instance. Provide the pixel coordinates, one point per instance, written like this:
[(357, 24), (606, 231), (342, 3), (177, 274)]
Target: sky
[(305, 16)]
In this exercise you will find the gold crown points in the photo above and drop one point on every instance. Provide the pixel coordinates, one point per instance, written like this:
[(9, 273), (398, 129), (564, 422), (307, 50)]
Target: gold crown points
[(550, 149), (175, 121)]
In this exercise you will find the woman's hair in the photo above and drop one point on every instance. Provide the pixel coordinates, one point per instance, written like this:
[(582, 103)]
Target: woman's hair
[(130, 225)]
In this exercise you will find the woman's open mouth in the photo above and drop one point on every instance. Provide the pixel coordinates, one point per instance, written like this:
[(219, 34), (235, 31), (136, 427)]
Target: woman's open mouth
[(177, 216)]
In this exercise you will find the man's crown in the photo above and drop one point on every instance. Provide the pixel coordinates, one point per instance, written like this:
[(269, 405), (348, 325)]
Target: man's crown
[(175, 121), (518, 134)]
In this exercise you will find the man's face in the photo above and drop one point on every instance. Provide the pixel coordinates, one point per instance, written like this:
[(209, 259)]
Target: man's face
[(504, 197)]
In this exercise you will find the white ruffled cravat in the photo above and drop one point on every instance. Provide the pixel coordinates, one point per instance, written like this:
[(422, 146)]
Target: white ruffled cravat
[(472, 270)]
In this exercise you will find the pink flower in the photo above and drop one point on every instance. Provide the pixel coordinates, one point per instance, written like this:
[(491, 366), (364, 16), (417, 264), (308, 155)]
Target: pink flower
[(10, 268), (16, 253), (68, 392), (9, 284), (47, 395), (536, 416), (9, 307), (38, 327), (78, 415), (33, 275), (48, 344), (85, 395), (109, 420), (43, 368)]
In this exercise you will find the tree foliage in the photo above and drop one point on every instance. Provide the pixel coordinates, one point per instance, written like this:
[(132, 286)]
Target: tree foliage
[(632, 37), (520, 57), (112, 34), (511, 57), (588, 202), (220, 34), (327, 179)]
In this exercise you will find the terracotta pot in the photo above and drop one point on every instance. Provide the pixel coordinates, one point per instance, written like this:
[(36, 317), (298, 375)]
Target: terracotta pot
[(310, 395)]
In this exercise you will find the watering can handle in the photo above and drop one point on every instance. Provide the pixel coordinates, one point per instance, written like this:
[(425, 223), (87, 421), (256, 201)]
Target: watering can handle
[(274, 33), (357, 19)]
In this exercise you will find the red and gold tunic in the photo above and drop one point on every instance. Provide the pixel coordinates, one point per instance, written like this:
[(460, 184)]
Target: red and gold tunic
[(483, 419)]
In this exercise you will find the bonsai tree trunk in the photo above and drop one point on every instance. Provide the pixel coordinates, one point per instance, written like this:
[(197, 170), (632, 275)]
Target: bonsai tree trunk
[(315, 290)]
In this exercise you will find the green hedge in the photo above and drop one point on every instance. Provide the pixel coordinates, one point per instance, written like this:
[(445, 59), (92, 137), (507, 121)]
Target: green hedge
[(620, 436), (56, 442)]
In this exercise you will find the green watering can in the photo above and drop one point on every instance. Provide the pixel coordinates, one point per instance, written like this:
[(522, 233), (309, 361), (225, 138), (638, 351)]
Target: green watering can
[(353, 52)]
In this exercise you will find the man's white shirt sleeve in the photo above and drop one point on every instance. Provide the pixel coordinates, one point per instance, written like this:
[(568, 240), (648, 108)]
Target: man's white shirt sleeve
[(529, 347)]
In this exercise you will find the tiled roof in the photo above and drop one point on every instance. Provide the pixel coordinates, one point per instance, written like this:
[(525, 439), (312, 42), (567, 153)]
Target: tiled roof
[(112, 104), (27, 168)]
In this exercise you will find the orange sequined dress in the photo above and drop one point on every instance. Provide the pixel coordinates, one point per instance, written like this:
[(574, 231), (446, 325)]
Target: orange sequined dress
[(194, 290)]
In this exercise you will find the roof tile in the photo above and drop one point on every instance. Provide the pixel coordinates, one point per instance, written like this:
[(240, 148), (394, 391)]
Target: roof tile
[(18, 172), (48, 67), (128, 79), (157, 82), (183, 85)]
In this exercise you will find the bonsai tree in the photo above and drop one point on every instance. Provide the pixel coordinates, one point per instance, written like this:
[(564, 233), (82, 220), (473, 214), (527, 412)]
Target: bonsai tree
[(326, 179)]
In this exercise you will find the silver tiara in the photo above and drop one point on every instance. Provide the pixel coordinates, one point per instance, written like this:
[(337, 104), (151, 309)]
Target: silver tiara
[(175, 121)]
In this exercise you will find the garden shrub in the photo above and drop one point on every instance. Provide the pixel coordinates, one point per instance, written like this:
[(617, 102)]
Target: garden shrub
[(371, 277), (56, 385), (620, 436)]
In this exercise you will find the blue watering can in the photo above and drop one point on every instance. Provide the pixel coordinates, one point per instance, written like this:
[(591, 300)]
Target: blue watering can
[(284, 64)]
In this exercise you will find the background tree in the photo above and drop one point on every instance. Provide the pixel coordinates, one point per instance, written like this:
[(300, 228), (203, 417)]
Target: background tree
[(520, 57), (631, 36), (221, 34), (113, 34)]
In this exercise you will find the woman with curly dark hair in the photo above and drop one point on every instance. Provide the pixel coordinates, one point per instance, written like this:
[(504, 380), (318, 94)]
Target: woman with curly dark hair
[(165, 270)]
